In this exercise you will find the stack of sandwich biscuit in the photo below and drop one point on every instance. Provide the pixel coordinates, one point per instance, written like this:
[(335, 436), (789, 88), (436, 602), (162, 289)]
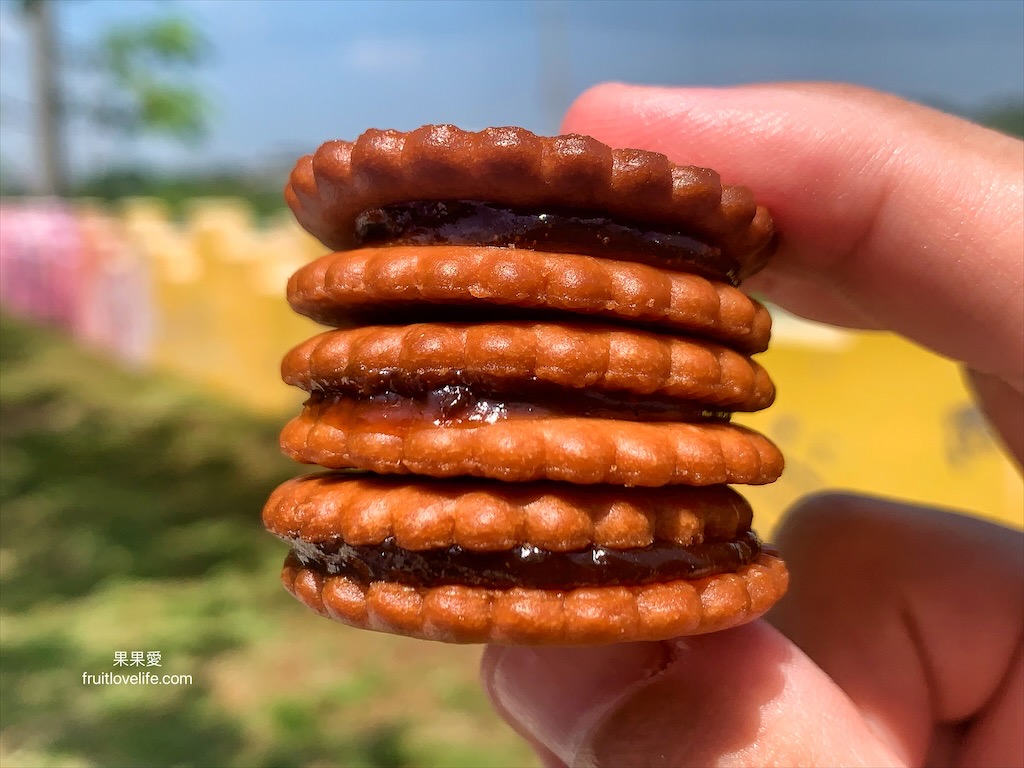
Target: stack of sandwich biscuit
[(525, 401)]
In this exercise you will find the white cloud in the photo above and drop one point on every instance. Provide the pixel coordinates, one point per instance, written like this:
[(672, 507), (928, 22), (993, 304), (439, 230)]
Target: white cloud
[(383, 55)]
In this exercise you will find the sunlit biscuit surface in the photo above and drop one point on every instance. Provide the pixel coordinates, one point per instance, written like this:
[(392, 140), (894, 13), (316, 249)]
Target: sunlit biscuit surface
[(539, 345)]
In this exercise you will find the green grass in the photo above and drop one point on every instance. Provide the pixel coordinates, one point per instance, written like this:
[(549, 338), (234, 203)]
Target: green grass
[(130, 521)]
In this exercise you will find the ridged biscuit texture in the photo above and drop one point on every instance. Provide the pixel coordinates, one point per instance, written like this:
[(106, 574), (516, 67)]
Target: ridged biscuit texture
[(569, 356), (586, 616), (538, 345), (350, 434), (422, 513), (330, 188), (374, 283)]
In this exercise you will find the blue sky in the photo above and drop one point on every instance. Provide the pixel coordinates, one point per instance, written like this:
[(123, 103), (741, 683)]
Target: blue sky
[(284, 76)]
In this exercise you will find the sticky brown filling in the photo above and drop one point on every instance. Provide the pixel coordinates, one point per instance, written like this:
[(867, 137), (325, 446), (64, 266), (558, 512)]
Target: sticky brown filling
[(466, 222), (456, 405), (529, 566)]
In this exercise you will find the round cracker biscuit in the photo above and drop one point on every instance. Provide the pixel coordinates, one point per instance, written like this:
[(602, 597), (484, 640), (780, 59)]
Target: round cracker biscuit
[(349, 434), (330, 188), (371, 285), (479, 515), (460, 614), (572, 356)]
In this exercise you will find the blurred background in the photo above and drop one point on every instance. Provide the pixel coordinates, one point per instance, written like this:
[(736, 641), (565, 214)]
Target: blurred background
[(144, 250)]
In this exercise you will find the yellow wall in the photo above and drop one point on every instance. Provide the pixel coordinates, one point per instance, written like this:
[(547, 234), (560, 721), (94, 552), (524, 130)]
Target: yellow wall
[(873, 413), (221, 315)]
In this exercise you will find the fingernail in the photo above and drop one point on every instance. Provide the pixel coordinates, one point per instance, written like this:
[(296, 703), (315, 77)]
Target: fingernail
[(555, 695)]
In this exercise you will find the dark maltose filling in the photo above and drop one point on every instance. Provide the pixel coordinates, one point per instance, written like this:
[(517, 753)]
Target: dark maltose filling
[(465, 222), (457, 405), (528, 566)]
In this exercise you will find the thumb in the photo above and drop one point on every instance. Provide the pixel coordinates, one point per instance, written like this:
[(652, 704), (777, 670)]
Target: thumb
[(746, 696)]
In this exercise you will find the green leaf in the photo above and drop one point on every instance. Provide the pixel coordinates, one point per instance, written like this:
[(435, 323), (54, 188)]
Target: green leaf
[(175, 110), (147, 67)]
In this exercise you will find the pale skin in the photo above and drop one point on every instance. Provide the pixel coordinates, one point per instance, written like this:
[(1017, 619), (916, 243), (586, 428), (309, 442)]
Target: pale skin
[(901, 641)]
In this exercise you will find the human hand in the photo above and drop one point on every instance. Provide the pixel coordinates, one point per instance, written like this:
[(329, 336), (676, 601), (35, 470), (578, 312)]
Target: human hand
[(900, 642)]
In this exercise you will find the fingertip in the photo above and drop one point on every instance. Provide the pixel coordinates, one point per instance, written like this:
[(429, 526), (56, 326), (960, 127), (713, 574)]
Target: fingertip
[(489, 663), (592, 106), (884, 597), (549, 695), (633, 116), (906, 217), (743, 697)]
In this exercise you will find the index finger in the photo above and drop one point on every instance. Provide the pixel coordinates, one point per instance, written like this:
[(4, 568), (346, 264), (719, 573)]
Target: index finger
[(890, 215)]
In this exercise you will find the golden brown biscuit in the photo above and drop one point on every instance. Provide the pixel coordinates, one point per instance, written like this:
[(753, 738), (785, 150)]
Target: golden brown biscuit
[(540, 346), (594, 570), (374, 285), (425, 513), (351, 433), (330, 189), (520, 358), (583, 616)]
